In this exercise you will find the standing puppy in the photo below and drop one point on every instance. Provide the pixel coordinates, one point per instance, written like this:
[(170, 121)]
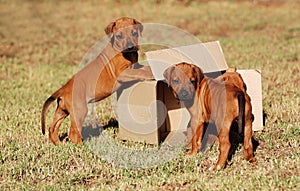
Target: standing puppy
[(212, 100), (234, 78), (99, 79)]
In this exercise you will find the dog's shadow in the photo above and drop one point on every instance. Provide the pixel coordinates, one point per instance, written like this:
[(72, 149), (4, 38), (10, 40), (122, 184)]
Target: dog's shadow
[(235, 139), (91, 130)]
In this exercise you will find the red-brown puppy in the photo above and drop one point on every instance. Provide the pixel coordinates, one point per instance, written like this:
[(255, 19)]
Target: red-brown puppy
[(99, 79), (234, 78), (211, 100)]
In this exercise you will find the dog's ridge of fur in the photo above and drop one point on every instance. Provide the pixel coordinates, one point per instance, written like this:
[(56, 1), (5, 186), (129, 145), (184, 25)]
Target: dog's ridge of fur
[(229, 89)]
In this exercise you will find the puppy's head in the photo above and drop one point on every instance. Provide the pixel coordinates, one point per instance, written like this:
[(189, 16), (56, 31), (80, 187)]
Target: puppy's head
[(233, 77), (124, 34), (184, 79)]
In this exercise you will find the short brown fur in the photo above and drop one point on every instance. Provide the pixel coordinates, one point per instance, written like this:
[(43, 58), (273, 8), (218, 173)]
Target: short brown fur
[(99, 79), (212, 100)]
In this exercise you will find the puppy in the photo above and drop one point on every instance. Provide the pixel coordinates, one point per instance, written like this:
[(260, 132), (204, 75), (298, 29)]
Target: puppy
[(212, 100), (99, 79)]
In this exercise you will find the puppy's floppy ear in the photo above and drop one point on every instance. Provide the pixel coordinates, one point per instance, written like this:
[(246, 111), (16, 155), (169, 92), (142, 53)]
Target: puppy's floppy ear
[(140, 26), (109, 29), (167, 74), (199, 73)]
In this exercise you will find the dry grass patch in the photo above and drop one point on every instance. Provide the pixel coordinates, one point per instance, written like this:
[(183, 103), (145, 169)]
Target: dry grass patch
[(42, 44)]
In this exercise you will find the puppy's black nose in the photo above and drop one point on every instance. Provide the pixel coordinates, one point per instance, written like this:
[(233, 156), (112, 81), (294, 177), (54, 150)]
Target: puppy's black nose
[(129, 44), (183, 94)]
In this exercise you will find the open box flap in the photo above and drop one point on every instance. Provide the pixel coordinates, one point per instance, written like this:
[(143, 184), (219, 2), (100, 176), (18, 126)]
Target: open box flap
[(208, 56)]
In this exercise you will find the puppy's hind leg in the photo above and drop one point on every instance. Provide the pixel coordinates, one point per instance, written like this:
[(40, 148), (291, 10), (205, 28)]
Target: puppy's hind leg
[(248, 146), (77, 119), (60, 115), (224, 144)]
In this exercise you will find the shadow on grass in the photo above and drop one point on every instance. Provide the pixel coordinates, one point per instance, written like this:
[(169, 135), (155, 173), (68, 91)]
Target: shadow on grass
[(92, 130), (236, 140)]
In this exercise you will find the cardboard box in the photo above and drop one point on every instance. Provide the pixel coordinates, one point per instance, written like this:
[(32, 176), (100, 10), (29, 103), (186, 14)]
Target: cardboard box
[(148, 112), (252, 78)]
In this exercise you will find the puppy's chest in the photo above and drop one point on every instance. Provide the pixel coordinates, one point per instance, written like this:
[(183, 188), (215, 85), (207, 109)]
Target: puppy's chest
[(120, 64), (210, 98)]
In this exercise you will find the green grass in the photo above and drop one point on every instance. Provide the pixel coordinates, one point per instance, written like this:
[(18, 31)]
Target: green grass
[(42, 44)]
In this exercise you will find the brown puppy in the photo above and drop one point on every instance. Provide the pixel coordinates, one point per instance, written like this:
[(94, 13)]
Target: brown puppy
[(99, 79), (234, 78), (211, 100)]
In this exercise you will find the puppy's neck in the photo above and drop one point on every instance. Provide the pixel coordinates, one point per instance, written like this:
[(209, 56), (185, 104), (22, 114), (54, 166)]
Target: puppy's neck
[(188, 103), (111, 52)]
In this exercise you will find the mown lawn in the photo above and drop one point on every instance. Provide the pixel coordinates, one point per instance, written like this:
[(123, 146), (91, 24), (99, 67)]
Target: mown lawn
[(42, 44)]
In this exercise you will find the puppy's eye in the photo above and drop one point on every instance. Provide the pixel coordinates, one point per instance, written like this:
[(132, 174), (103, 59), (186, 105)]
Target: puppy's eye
[(192, 81), (119, 36), (176, 81), (134, 33)]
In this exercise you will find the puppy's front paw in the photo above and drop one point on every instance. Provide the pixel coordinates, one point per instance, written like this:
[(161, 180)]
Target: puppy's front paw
[(211, 169), (191, 153), (148, 75), (215, 168), (253, 161), (188, 146)]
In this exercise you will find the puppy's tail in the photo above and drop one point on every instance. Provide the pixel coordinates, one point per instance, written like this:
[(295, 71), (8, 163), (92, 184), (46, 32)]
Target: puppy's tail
[(47, 103), (241, 121)]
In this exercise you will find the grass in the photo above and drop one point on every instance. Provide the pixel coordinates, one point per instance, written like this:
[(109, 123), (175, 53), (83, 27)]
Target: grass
[(43, 42)]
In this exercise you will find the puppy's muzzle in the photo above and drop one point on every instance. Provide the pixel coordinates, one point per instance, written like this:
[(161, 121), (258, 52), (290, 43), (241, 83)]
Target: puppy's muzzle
[(130, 47), (184, 95)]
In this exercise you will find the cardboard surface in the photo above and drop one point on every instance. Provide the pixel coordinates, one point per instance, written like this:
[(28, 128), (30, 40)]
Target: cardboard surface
[(137, 112), (208, 56), (252, 79), (148, 112)]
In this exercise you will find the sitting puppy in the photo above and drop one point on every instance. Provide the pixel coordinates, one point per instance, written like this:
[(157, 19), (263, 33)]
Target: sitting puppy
[(212, 100)]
